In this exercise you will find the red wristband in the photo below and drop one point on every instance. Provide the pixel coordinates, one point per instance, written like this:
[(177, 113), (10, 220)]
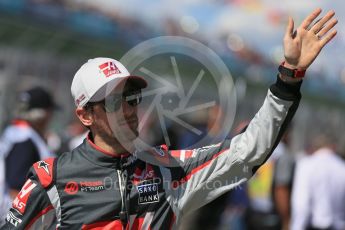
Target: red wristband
[(293, 73)]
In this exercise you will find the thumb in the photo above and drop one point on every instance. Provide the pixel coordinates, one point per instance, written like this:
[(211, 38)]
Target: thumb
[(289, 28)]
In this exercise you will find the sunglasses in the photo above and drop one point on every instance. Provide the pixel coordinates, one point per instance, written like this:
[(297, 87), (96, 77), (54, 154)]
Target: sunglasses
[(113, 102)]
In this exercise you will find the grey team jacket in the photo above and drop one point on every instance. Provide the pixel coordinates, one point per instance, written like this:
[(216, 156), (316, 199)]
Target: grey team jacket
[(89, 189)]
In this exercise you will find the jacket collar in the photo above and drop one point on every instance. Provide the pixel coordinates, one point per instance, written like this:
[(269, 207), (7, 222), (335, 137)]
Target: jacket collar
[(100, 157)]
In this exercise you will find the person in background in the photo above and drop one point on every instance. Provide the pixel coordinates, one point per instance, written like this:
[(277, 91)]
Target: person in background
[(73, 135), (5, 200), (283, 180), (22, 142), (318, 196), (270, 190)]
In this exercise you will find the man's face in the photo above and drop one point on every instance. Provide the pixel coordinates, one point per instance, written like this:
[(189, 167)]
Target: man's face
[(116, 119)]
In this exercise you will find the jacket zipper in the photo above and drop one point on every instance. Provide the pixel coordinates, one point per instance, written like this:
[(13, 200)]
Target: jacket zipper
[(122, 185)]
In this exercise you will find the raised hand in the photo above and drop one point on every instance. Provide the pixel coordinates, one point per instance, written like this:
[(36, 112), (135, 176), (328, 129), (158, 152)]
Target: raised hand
[(302, 46)]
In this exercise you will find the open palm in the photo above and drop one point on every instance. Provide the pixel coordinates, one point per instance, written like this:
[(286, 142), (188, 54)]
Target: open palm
[(302, 46)]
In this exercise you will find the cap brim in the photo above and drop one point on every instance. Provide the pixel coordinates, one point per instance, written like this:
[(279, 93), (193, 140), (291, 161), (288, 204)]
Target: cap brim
[(104, 91), (138, 81)]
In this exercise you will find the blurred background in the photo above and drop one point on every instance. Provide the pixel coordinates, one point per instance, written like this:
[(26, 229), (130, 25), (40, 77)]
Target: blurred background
[(44, 42)]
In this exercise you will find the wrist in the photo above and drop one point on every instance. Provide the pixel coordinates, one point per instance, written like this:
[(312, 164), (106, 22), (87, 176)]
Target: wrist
[(293, 65), (290, 73), (289, 80), (288, 65)]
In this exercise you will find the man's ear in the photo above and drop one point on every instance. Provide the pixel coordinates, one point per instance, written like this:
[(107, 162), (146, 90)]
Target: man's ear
[(85, 116)]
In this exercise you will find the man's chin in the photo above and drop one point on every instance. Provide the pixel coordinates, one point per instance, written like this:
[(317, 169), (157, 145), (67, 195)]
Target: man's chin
[(130, 134)]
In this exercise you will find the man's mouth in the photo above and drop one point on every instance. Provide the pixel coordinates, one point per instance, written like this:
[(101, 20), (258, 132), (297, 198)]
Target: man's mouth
[(129, 122), (133, 122)]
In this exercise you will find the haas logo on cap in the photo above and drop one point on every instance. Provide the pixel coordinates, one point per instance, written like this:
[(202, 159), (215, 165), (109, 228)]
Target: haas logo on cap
[(109, 68)]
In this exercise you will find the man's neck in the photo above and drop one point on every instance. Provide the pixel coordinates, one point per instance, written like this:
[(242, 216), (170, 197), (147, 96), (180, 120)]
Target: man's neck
[(114, 148)]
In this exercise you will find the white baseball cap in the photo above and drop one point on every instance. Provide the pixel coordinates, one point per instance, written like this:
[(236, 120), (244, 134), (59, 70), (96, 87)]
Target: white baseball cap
[(98, 77)]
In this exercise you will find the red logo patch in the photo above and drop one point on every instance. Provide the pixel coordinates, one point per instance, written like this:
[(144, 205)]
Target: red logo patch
[(20, 201), (91, 183), (44, 170), (71, 188), (146, 174), (109, 68), (44, 165)]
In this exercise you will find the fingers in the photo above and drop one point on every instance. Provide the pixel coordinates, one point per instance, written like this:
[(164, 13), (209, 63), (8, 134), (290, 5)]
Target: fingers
[(328, 38), (307, 22), (320, 24), (327, 28), (289, 28)]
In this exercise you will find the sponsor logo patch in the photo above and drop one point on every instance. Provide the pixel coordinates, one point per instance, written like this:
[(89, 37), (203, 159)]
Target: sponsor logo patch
[(80, 99), (44, 171), (109, 68), (11, 218), (71, 188), (143, 174), (148, 193), (91, 186), (20, 201), (206, 148), (44, 165)]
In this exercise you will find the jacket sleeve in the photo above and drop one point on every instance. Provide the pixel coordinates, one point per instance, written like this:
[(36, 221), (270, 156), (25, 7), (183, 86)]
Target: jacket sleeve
[(32, 208), (208, 172)]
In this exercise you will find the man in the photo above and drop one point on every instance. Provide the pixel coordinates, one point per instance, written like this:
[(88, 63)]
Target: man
[(22, 142), (100, 185), (318, 196)]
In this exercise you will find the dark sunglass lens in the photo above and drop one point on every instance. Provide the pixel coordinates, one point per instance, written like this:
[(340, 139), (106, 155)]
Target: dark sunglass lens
[(134, 102), (133, 98), (113, 102)]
